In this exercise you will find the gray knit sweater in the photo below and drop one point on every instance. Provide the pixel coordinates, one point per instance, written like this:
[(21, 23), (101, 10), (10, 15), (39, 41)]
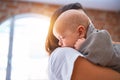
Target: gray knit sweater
[(99, 49)]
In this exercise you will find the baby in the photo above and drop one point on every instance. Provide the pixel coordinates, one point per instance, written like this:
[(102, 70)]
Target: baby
[(73, 28)]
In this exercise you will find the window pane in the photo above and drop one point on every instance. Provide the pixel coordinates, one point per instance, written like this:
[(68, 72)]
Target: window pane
[(4, 44), (29, 60)]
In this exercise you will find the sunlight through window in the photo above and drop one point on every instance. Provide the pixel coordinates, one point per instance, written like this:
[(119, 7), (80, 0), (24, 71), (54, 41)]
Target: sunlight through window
[(29, 58), (4, 45)]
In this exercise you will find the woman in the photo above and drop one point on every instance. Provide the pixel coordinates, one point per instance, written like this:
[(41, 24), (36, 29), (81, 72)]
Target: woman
[(52, 41), (66, 63)]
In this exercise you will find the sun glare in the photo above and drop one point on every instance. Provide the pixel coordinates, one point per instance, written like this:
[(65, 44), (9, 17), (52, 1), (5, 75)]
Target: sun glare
[(29, 60)]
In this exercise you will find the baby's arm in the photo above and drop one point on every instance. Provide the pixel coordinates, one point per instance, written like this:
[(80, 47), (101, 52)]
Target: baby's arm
[(78, 43)]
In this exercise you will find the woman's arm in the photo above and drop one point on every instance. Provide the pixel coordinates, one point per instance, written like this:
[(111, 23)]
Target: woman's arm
[(115, 42), (85, 70)]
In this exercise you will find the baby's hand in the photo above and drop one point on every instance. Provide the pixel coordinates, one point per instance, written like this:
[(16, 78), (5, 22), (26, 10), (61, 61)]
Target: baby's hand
[(78, 43)]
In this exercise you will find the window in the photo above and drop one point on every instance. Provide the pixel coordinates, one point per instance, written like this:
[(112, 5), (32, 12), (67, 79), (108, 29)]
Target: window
[(4, 46), (28, 57)]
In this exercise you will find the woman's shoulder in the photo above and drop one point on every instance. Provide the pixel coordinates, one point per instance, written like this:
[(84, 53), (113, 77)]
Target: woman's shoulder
[(64, 52), (61, 62)]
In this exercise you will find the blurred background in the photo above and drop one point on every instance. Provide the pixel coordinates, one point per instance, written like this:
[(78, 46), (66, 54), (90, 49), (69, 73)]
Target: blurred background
[(23, 29)]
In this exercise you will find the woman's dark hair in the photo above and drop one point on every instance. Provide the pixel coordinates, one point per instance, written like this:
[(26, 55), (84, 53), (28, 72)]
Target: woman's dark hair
[(51, 41)]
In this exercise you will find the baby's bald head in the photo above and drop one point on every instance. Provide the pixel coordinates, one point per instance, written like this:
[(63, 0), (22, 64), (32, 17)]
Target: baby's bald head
[(71, 19)]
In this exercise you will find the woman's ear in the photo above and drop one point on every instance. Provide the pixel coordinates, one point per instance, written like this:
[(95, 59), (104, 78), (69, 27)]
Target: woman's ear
[(81, 31)]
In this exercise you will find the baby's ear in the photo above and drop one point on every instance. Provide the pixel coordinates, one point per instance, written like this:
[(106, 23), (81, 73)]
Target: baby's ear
[(82, 31)]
